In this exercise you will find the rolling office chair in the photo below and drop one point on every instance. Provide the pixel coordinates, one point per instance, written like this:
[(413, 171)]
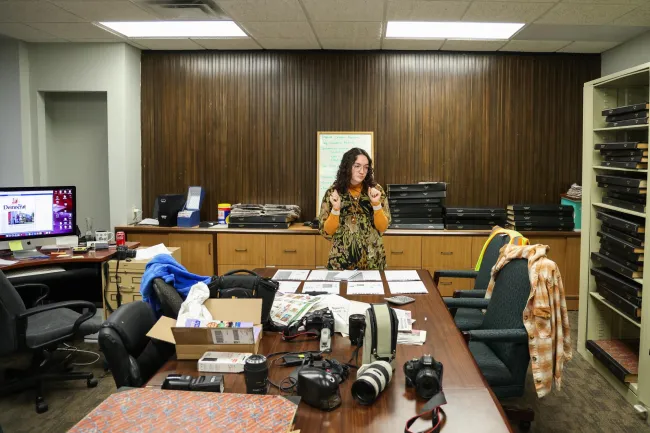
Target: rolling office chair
[(500, 344), (39, 330), (132, 357), (468, 318), (170, 300)]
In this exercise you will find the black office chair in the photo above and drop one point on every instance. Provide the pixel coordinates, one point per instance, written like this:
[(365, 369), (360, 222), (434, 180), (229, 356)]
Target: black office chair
[(170, 300), (468, 318), (39, 330), (132, 357), (500, 344)]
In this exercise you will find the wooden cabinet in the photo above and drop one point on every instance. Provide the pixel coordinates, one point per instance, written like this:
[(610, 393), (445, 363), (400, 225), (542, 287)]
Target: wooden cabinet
[(197, 251), (149, 239), (323, 247), (236, 248), (448, 253), (290, 250), (403, 252)]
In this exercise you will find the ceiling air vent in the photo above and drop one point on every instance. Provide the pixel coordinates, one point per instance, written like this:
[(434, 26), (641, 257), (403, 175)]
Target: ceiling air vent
[(187, 9)]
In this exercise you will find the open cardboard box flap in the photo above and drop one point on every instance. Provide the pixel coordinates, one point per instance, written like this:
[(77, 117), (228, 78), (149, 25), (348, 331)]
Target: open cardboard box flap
[(233, 310)]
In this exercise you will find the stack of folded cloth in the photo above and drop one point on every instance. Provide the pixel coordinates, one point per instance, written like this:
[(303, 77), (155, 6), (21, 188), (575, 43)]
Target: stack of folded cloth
[(267, 216), (474, 218), (417, 205), (540, 217)]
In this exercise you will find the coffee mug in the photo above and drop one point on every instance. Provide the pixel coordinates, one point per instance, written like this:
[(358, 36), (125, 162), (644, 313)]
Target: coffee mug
[(104, 236)]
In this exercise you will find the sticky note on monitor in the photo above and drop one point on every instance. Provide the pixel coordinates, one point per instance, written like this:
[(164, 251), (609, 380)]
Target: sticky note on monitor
[(15, 245)]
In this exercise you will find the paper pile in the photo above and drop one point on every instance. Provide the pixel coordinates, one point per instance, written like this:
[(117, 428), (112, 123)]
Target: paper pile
[(413, 338)]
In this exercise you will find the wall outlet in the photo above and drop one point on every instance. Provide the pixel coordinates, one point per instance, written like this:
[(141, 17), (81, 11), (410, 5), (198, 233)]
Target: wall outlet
[(641, 411)]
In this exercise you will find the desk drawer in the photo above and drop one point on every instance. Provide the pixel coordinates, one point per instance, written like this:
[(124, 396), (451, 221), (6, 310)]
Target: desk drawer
[(127, 282), (236, 248), (323, 247), (290, 250), (447, 253), (447, 286), (403, 252), (127, 298)]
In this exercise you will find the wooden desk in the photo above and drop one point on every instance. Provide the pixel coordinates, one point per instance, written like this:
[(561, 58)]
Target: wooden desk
[(471, 405), (90, 257)]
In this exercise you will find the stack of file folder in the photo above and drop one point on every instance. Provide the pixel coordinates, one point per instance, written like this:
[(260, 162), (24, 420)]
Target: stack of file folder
[(540, 217), (628, 115), (474, 218), (627, 190), (268, 216), (624, 154), (417, 205)]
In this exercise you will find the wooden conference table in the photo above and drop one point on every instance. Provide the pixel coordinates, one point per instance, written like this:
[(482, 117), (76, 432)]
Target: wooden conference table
[(471, 406)]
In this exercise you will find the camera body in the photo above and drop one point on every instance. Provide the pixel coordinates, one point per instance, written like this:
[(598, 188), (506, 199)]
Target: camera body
[(425, 375), (319, 320), (124, 253)]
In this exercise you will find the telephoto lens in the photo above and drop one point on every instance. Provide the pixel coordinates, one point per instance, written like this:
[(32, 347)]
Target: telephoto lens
[(357, 325), (371, 380), (256, 373)]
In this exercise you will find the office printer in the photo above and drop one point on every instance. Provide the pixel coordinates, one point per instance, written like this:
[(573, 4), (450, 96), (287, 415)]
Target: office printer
[(190, 216)]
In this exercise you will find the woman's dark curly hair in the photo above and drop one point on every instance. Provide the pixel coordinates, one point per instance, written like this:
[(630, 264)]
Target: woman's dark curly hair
[(344, 174)]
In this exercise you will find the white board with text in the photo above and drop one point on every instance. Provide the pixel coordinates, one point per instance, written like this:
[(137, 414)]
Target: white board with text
[(331, 147)]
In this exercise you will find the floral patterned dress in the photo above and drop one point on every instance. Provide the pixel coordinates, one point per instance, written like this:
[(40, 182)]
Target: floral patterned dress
[(356, 244)]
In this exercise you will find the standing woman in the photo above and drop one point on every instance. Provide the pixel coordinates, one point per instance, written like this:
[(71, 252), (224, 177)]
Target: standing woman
[(354, 214)]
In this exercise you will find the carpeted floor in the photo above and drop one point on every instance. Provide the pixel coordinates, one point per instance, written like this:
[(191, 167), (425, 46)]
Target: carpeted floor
[(586, 403)]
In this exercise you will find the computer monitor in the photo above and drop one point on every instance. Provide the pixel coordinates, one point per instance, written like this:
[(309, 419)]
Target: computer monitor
[(36, 215)]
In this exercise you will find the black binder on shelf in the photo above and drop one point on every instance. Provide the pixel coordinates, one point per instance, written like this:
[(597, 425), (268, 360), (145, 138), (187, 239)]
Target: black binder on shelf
[(620, 258), (418, 226), (634, 198), (477, 210), (622, 189), (414, 220), (630, 165), (474, 215), (466, 222), (634, 300), (258, 225), (615, 266), (539, 208), (625, 109), (424, 186), (628, 224), (523, 213), (620, 244), (538, 219), (623, 153), (625, 306), (636, 240), (414, 201), (551, 224), (540, 229), (260, 219), (469, 227), (625, 284), (629, 122), (627, 116), (629, 182), (643, 159), (416, 194), (637, 207)]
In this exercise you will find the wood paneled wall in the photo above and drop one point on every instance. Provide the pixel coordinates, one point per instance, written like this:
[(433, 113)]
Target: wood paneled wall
[(500, 128)]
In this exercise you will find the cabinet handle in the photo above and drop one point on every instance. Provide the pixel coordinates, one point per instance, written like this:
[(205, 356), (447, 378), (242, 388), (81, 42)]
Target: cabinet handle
[(241, 250), (444, 283), (290, 251), (397, 252), (209, 248), (446, 253)]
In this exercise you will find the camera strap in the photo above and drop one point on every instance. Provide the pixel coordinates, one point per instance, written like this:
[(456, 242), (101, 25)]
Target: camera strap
[(432, 407)]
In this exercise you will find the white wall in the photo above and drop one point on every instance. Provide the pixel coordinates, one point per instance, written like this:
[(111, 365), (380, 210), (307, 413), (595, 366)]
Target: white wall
[(632, 53), (77, 145), (11, 153), (110, 68)]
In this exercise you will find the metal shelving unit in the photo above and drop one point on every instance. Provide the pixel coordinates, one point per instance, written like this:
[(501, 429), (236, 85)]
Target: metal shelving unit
[(599, 319)]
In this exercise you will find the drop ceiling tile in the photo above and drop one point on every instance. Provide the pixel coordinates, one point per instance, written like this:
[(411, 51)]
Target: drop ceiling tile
[(344, 10), (24, 32), (410, 44), (561, 32), (119, 10), (505, 12), (34, 12), (228, 44), (588, 47), (638, 17), (289, 30), (619, 2), (564, 13), (348, 30), (288, 44), (350, 44), (520, 1), (423, 10), (168, 44), (535, 46), (450, 45), (263, 10), (75, 31)]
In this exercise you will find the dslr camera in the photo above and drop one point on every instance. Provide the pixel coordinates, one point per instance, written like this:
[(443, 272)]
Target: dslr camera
[(318, 320), (124, 253), (425, 375)]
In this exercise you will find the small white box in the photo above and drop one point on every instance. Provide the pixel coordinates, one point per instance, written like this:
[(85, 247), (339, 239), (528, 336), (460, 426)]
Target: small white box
[(223, 362)]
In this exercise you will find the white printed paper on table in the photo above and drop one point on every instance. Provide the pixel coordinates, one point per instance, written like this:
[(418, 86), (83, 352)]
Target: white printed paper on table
[(291, 274), (404, 321), (323, 275), (367, 276), (406, 287), (289, 286), (401, 275), (413, 338), (365, 288), (321, 286)]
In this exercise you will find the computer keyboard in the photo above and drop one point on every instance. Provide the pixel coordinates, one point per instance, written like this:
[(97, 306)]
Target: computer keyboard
[(33, 271)]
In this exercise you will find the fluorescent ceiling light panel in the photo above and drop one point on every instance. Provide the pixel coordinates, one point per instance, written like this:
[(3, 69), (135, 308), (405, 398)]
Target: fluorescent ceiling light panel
[(450, 30), (176, 29)]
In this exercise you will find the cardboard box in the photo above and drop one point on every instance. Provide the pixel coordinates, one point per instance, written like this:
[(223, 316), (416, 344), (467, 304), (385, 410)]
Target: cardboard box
[(192, 343), (223, 362)]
